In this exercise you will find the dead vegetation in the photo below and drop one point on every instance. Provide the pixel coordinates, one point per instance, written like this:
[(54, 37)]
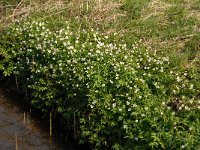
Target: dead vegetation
[(94, 10), (106, 11), (155, 8)]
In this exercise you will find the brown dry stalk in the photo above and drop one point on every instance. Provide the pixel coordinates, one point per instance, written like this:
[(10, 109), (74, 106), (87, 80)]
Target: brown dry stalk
[(97, 10)]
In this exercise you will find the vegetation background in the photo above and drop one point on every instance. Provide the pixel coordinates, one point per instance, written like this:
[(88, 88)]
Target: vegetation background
[(171, 25), (168, 27)]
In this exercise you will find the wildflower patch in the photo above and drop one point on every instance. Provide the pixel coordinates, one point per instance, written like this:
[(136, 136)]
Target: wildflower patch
[(123, 97)]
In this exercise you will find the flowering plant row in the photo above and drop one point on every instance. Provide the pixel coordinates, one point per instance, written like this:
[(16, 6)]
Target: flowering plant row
[(123, 97)]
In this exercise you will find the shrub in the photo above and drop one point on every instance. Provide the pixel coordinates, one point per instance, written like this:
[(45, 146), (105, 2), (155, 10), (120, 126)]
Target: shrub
[(123, 98)]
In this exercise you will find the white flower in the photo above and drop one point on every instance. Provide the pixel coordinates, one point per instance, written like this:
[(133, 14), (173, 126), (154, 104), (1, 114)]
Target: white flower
[(142, 80), (134, 105), (163, 103), (185, 74), (127, 102), (161, 70), (191, 86), (98, 51), (178, 79), (183, 146), (187, 108), (191, 101), (114, 105), (125, 126)]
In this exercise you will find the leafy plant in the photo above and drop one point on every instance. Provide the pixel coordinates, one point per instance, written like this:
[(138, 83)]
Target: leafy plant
[(122, 97)]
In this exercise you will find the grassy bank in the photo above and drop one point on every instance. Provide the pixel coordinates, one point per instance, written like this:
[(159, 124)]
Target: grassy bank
[(123, 74), (170, 26)]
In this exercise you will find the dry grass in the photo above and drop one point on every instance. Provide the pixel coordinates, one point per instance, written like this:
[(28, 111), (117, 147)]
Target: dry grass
[(22, 10), (95, 10), (106, 11), (155, 8)]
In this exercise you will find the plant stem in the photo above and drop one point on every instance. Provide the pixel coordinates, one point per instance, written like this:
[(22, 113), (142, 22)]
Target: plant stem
[(51, 123)]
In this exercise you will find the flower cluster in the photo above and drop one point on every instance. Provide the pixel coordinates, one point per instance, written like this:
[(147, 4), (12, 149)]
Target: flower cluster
[(124, 97)]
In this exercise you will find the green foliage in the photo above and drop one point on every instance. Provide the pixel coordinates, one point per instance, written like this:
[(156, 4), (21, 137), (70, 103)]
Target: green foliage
[(124, 98), (134, 7), (192, 47)]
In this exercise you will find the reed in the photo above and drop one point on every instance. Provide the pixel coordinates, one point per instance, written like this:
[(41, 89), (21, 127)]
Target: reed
[(24, 117), (50, 130), (16, 142)]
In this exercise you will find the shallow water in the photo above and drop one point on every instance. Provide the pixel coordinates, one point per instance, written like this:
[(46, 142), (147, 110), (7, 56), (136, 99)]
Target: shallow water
[(19, 131)]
